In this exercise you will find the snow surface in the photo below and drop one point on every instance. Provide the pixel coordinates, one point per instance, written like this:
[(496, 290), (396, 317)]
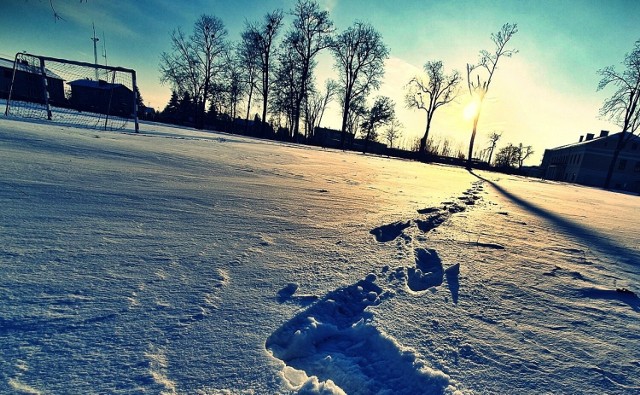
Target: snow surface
[(178, 261)]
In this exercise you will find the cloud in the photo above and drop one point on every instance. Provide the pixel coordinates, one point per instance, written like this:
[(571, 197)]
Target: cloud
[(112, 17), (328, 5)]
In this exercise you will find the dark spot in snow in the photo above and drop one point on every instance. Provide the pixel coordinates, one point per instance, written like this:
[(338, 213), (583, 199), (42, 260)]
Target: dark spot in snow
[(490, 245), (427, 210), (389, 232), (431, 222), (625, 291), (456, 208), (620, 294)]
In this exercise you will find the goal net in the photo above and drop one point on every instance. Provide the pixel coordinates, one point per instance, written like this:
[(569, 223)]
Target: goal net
[(73, 93)]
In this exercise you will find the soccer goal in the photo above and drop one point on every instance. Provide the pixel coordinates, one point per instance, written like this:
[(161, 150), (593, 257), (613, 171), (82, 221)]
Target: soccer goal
[(72, 93)]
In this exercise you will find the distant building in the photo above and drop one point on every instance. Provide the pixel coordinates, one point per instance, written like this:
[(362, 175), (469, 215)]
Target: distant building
[(27, 85), (587, 162), (331, 138), (101, 97)]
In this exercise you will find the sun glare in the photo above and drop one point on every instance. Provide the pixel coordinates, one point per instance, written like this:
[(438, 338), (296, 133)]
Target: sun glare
[(471, 110)]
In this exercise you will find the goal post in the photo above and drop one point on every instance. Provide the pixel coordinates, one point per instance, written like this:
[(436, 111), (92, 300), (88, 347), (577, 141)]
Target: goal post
[(72, 92)]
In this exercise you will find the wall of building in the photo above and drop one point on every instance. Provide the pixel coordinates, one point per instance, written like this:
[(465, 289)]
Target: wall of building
[(587, 163)]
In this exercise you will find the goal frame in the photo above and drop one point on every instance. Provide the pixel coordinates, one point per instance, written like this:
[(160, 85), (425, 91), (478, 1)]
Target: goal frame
[(42, 69)]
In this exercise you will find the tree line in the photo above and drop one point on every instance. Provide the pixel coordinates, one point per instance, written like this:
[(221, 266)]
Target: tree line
[(212, 77)]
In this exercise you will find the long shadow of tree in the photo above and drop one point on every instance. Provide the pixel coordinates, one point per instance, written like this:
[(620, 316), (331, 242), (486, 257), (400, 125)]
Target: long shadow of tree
[(589, 236)]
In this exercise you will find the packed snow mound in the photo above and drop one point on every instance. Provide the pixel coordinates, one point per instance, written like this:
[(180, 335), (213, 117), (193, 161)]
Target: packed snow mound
[(335, 341)]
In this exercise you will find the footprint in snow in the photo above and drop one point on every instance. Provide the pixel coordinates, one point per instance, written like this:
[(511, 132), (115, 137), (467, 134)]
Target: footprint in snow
[(334, 340), (389, 232), (428, 272)]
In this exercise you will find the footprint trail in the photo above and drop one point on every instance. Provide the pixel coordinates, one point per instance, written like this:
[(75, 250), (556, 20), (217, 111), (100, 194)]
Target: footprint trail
[(334, 340)]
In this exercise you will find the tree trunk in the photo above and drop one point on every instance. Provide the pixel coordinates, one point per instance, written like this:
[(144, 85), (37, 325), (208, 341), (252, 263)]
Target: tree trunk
[(425, 138), (246, 129), (263, 126), (366, 140), (202, 107), (343, 128), (298, 103), (423, 146), (473, 138)]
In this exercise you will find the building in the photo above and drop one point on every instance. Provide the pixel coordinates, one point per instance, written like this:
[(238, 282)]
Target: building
[(101, 97), (27, 85), (331, 138), (587, 162)]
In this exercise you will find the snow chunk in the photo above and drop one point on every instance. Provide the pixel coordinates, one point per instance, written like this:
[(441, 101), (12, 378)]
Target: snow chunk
[(306, 385)]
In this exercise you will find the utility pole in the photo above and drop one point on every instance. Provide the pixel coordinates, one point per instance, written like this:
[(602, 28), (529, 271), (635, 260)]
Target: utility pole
[(95, 50)]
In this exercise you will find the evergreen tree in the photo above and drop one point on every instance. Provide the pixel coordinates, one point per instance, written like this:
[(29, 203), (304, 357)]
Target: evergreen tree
[(170, 112), (186, 108), (139, 100)]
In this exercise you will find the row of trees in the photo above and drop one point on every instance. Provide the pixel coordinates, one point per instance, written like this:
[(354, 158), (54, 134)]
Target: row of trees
[(206, 68), (213, 70), (210, 69)]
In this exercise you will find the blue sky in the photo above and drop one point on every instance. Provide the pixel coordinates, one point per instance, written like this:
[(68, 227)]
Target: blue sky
[(544, 96)]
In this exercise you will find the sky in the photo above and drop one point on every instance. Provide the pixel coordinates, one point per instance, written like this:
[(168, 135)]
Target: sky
[(544, 96)]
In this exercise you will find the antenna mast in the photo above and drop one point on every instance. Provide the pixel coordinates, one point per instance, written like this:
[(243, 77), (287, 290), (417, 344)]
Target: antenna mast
[(104, 49), (95, 50)]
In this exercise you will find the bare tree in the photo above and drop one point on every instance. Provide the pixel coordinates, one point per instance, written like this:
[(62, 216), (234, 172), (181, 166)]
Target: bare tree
[(285, 92), (359, 55), (357, 113), (316, 105), (249, 58), (196, 61), (493, 141), (523, 154), (381, 113), (235, 85), (446, 148), (623, 107), (56, 15), (311, 33), (431, 93), (480, 75), (261, 39), (393, 132)]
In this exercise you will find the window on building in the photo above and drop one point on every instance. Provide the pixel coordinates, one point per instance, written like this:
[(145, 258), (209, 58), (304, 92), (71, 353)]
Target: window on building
[(637, 168), (622, 164)]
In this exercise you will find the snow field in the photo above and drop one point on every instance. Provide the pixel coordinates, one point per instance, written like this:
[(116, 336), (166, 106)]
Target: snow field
[(177, 261)]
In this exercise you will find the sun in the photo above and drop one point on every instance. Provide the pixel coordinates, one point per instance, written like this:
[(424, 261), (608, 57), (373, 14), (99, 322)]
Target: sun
[(471, 110)]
